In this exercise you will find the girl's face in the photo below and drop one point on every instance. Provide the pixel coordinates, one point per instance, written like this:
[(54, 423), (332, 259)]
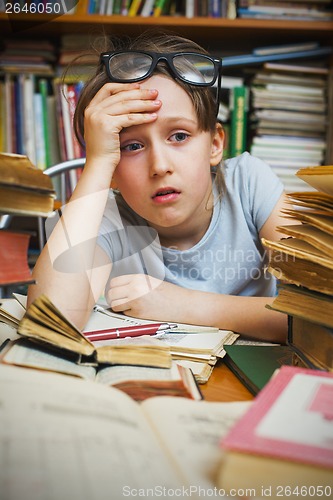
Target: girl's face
[(164, 170)]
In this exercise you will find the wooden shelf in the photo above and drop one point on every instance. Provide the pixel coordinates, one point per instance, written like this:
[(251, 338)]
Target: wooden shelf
[(211, 30)]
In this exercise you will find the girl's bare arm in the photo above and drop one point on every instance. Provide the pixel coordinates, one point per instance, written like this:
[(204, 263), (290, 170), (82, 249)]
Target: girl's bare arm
[(72, 269)]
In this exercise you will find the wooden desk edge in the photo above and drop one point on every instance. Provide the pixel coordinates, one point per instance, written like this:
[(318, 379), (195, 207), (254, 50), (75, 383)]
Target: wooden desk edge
[(224, 386)]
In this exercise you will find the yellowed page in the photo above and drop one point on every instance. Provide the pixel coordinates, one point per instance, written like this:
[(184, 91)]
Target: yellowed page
[(192, 431), (320, 178), (67, 438), (30, 355), (199, 343)]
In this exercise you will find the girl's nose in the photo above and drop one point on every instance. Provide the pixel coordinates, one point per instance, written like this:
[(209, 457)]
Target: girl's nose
[(159, 162)]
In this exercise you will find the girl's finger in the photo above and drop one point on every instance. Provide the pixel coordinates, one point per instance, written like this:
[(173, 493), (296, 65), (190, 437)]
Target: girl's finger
[(109, 89)]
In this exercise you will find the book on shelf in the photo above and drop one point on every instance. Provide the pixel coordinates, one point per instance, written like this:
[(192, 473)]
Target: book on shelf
[(139, 382), (251, 58), (45, 324), (289, 107), (239, 105), (24, 189), (284, 440), (123, 445), (290, 11), (281, 49), (148, 8), (14, 268), (297, 67), (254, 365)]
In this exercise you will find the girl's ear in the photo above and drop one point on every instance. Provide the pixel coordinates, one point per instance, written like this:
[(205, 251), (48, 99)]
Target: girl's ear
[(217, 146)]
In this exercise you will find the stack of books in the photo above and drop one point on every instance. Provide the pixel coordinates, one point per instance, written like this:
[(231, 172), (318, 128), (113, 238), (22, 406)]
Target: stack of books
[(169, 363), (304, 10), (289, 118), (27, 56), (304, 261), (26, 191)]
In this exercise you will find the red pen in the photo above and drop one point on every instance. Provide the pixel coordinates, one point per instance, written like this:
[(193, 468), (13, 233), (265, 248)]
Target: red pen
[(129, 331)]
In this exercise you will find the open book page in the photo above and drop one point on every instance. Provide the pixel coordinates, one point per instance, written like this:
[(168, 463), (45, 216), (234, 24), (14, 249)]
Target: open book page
[(202, 371), (29, 354), (11, 311), (203, 343), (192, 433), (320, 177), (117, 374), (102, 318), (75, 439)]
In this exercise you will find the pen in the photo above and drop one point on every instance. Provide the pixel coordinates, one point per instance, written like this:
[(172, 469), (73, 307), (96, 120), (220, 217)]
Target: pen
[(129, 331)]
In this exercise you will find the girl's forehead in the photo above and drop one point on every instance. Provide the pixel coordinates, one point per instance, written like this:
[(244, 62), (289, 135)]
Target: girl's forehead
[(169, 91)]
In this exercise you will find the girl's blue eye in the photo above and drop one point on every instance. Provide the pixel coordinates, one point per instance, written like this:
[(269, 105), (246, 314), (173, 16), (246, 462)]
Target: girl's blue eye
[(180, 136), (131, 147)]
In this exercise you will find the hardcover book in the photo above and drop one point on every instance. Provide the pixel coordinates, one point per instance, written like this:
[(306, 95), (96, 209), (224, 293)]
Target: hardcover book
[(24, 189), (285, 440)]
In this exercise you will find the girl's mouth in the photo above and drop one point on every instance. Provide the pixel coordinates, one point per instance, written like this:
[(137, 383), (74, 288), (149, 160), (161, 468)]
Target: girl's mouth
[(166, 195)]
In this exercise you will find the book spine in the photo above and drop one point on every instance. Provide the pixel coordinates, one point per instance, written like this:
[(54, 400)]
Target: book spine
[(19, 115), (239, 97), (39, 132), (43, 89), (134, 8), (158, 7), (29, 121), (148, 8)]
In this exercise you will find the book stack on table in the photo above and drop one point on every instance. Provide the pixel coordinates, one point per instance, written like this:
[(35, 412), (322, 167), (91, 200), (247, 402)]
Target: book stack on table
[(171, 363), (24, 191), (304, 261)]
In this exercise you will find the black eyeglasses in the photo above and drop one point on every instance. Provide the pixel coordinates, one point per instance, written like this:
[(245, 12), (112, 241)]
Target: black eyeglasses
[(196, 69)]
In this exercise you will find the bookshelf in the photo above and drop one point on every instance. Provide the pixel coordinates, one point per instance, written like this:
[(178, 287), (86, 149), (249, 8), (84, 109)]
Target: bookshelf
[(219, 35), (205, 29)]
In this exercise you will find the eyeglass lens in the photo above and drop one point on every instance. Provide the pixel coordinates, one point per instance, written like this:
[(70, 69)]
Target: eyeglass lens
[(192, 68), (195, 68)]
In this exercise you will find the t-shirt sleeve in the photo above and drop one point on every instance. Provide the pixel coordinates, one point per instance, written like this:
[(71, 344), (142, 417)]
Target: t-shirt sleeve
[(264, 189)]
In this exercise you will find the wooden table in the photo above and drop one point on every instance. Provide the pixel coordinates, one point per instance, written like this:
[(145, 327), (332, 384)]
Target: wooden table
[(223, 385)]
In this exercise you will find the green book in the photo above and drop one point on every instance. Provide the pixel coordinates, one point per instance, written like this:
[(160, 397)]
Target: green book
[(239, 105), (255, 364)]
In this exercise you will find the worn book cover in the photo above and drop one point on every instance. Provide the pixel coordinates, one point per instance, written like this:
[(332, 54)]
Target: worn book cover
[(44, 323), (286, 437), (254, 365)]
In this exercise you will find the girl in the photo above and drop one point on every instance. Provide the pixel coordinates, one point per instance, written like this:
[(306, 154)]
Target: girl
[(179, 237)]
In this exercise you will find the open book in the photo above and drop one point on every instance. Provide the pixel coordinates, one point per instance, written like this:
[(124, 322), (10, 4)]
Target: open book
[(77, 439), (139, 382), (45, 324), (195, 347)]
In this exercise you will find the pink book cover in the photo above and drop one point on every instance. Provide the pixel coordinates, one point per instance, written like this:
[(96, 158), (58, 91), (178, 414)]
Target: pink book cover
[(291, 418)]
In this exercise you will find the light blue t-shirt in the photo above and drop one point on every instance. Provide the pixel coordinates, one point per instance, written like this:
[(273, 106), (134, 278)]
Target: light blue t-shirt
[(229, 259)]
